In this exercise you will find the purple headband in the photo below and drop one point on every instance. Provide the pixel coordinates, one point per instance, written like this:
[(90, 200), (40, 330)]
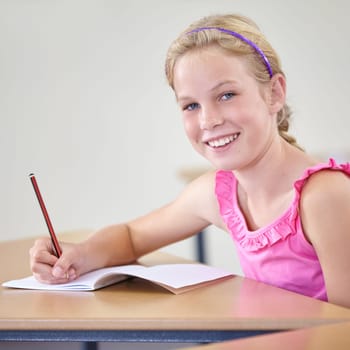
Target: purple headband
[(243, 38)]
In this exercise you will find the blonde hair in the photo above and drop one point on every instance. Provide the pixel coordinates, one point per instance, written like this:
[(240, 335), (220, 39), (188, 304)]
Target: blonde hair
[(191, 39)]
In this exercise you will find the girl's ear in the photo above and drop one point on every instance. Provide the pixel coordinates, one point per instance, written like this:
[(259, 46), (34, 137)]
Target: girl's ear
[(277, 93)]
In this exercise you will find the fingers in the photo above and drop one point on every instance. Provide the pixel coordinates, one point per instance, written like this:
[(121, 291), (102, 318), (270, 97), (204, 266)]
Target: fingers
[(41, 253), (63, 270), (46, 267), (44, 275)]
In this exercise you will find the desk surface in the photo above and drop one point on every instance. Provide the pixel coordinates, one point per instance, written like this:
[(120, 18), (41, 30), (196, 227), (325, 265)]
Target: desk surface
[(237, 304)]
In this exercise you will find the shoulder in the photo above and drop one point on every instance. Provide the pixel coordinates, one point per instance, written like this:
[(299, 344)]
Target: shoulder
[(203, 182), (325, 186), (199, 198), (201, 190), (325, 203), (209, 184)]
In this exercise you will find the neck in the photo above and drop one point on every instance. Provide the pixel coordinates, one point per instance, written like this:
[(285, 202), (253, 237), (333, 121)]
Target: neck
[(265, 174)]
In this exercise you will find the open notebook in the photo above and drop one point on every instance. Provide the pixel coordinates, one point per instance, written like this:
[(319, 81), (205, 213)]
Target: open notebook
[(177, 278)]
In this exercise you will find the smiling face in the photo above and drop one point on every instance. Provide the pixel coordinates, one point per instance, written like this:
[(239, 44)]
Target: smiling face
[(225, 111)]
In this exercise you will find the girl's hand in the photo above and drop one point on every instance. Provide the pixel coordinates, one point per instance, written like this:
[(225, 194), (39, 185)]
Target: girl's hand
[(47, 268)]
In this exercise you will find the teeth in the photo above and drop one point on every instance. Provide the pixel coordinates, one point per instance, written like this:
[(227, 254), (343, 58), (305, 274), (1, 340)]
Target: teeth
[(223, 141)]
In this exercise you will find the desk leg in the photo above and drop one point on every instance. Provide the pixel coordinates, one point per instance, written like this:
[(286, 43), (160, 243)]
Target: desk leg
[(200, 247), (90, 345)]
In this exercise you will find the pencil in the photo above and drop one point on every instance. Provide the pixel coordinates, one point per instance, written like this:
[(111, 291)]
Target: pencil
[(55, 244)]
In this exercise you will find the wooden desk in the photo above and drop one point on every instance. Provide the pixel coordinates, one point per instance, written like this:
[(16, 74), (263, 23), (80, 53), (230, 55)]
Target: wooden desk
[(335, 336), (139, 311)]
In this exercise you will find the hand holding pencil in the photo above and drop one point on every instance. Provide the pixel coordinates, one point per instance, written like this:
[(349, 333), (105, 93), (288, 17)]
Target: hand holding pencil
[(46, 247), (54, 240)]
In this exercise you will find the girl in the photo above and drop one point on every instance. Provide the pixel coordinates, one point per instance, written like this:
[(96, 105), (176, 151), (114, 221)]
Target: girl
[(288, 214)]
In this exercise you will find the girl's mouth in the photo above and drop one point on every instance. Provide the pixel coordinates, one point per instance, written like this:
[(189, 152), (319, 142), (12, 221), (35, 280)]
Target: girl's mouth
[(223, 141)]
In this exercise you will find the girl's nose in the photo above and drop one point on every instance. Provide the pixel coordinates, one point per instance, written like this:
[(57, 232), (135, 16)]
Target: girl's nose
[(209, 119)]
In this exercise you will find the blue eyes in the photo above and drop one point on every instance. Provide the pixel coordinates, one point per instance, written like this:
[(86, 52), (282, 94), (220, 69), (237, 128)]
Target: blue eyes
[(194, 105), (191, 107), (227, 96)]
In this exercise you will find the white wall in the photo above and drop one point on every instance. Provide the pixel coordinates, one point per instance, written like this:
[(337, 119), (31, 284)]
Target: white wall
[(84, 103)]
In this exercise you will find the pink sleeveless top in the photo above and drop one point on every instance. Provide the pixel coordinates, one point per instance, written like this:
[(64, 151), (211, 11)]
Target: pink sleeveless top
[(279, 253)]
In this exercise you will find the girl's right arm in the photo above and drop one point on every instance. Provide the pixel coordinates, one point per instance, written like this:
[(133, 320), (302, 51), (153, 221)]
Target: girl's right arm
[(119, 244), (109, 246)]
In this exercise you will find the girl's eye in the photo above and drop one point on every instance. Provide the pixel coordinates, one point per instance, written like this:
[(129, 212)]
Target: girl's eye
[(227, 96), (191, 107)]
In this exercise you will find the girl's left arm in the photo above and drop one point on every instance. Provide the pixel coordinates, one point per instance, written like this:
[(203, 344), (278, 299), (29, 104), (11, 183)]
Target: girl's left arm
[(325, 214)]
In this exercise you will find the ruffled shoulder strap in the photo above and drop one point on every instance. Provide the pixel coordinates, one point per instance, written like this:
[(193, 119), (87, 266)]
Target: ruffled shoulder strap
[(331, 165), (225, 190)]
